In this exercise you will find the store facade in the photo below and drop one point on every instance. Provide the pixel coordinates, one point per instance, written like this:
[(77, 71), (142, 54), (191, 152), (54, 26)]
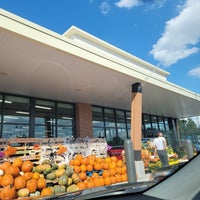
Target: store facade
[(75, 84)]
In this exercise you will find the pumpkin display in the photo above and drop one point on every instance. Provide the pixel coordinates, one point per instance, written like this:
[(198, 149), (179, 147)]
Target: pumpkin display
[(19, 182), (31, 185), (7, 179), (7, 193), (27, 166), (24, 192)]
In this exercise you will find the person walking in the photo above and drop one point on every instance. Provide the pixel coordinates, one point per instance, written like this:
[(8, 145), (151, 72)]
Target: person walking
[(160, 145)]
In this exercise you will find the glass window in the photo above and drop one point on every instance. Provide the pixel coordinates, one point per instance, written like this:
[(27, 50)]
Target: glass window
[(44, 119), (161, 123), (154, 122), (65, 120), (166, 122), (16, 117), (147, 122), (97, 117), (109, 117)]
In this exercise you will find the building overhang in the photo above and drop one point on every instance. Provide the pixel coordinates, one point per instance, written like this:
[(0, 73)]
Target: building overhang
[(77, 67)]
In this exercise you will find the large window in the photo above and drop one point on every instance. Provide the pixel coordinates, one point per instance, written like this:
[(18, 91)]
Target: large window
[(30, 117), (15, 116), (65, 120), (112, 124)]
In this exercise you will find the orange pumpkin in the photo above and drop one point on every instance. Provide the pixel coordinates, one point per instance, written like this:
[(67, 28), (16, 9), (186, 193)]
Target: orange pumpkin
[(13, 170), (7, 193), (17, 162), (31, 185), (46, 191), (27, 166), (19, 182), (82, 175), (41, 183), (7, 179), (5, 165), (28, 175), (81, 185), (9, 151)]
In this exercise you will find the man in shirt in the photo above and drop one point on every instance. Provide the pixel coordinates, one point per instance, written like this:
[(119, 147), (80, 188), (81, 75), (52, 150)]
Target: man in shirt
[(160, 146)]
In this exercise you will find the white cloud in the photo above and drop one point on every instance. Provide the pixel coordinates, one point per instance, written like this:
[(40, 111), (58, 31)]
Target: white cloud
[(195, 72), (180, 36), (127, 3), (105, 8)]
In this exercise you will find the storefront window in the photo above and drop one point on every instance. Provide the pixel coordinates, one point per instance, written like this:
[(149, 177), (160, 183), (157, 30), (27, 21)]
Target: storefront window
[(65, 120), (161, 124), (16, 117), (44, 119)]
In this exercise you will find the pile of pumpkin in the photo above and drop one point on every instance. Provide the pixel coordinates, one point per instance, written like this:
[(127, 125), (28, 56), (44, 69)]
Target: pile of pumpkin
[(21, 179), (95, 171)]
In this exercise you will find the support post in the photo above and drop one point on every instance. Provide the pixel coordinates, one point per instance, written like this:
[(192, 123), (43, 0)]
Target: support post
[(136, 119), (130, 161)]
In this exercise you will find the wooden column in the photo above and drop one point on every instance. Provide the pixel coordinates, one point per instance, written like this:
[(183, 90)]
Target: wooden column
[(136, 120)]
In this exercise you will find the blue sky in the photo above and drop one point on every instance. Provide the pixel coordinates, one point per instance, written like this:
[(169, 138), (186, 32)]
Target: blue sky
[(165, 33)]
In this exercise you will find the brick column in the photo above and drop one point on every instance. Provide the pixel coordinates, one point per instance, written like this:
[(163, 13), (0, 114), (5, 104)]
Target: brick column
[(84, 120), (136, 120)]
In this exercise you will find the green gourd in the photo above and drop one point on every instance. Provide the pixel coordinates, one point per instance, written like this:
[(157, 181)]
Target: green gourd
[(72, 188), (59, 189), (51, 176), (62, 180)]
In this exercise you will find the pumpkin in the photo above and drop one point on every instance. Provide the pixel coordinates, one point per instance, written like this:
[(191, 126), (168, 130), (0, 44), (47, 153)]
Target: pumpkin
[(69, 181), (5, 165), (35, 194), (6, 180), (28, 175), (46, 161), (61, 149), (31, 185), (46, 191), (75, 178), (7, 193), (42, 168), (51, 176), (13, 170), (27, 166), (36, 175), (72, 188), (63, 180), (69, 170), (9, 151), (41, 183), (24, 192), (59, 172), (19, 182), (59, 189), (17, 162)]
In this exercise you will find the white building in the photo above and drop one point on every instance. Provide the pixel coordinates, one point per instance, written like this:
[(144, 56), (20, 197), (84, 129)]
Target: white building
[(54, 85)]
